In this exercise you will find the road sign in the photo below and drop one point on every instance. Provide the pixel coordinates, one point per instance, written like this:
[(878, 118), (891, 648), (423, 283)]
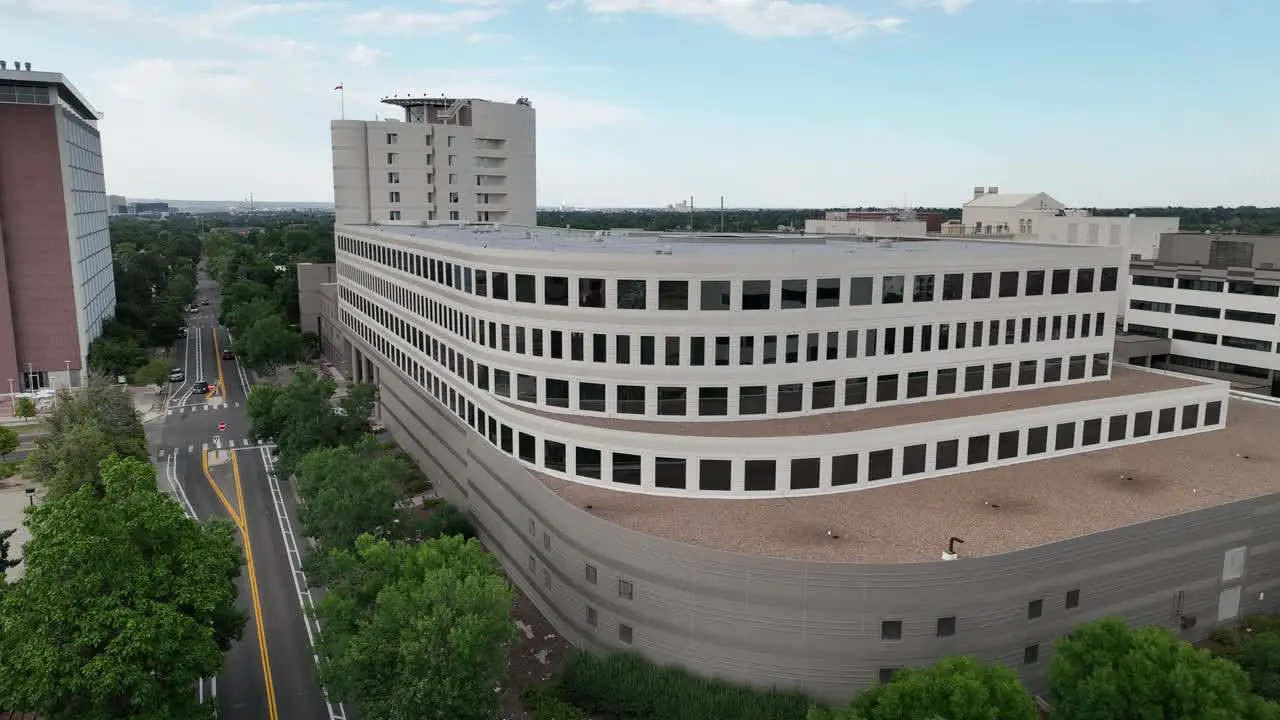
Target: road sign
[(222, 426)]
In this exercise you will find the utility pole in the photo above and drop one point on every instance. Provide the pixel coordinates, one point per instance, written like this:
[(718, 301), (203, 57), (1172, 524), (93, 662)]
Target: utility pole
[(690, 213), (721, 213)]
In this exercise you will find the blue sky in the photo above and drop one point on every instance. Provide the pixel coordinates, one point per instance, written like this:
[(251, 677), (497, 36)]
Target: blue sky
[(645, 102)]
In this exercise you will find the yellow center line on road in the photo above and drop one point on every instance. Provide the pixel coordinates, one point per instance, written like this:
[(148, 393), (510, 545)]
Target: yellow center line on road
[(253, 591), (237, 518), (217, 357)]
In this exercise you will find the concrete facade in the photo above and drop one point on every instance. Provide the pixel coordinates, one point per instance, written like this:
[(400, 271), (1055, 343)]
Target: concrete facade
[(447, 161), (57, 270), (411, 311), (814, 625), (1216, 300)]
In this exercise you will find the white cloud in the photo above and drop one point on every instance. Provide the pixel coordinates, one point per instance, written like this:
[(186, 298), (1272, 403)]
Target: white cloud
[(487, 38), (391, 20), (365, 56), (280, 48), (220, 129), (759, 18), (950, 7), (126, 14)]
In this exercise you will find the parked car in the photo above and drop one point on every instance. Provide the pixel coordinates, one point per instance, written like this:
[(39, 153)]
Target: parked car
[(201, 386), (204, 302), (177, 375), (182, 332), (193, 309), (228, 355)]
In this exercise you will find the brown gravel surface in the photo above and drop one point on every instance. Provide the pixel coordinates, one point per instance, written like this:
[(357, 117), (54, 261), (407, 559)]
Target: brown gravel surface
[(537, 655), (1123, 381), (996, 510)]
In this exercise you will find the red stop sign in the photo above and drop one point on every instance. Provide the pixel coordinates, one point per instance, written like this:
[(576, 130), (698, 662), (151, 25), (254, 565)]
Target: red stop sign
[(222, 426)]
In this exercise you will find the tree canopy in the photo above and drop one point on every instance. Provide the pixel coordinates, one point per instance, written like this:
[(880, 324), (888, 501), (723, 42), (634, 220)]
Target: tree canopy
[(301, 416), (349, 490), (417, 630), (956, 688), (124, 605), (1106, 670), (154, 264), (86, 426)]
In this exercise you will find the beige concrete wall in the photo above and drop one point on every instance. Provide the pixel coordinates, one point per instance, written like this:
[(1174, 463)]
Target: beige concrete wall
[(817, 625)]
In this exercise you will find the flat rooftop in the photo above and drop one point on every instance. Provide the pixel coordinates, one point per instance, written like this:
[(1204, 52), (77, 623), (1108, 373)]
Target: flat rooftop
[(58, 82), (545, 239), (1124, 381), (995, 511)]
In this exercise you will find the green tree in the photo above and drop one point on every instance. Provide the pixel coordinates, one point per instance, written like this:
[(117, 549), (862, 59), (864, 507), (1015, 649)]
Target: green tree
[(269, 343), (351, 490), (116, 356), (125, 604), (9, 441), (5, 549), (155, 372), (244, 316), (301, 416), (956, 688), (25, 408), (1106, 670), (85, 427), (458, 606)]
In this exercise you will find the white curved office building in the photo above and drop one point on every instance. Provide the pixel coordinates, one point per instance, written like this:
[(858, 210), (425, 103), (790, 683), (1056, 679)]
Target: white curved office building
[(747, 455)]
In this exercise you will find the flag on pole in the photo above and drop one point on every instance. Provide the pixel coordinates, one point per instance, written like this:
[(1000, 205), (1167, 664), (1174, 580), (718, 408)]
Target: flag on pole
[(339, 87)]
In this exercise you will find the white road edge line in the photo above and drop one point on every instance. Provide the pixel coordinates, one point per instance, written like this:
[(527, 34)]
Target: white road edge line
[(299, 577), (171, 473)]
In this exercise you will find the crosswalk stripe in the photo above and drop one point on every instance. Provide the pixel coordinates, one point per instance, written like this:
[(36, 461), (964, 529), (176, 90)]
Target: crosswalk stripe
[(231, 444)]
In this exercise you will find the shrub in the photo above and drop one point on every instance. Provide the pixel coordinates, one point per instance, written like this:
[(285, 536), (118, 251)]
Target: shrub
[(448, 520), (626, 687), (543, 702), (9, 469)]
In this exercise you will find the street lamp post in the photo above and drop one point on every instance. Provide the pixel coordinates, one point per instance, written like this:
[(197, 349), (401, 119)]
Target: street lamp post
[(13, 408), (68, 364)]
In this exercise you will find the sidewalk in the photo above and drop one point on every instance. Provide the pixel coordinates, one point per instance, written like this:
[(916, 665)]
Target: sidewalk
[(149, 404), (13, 501)]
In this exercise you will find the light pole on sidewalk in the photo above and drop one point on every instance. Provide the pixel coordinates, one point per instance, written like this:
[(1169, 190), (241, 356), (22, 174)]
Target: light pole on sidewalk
[(68, 364), (13, 408)]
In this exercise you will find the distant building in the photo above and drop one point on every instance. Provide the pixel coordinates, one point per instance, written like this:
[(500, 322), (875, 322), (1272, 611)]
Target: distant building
[(56, 283), (117, 205), (896, 223), (160, 209), (1215, 299), (1039, 217), (450, 160)]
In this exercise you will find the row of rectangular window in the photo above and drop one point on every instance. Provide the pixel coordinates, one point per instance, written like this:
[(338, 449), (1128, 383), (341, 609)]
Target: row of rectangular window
[(714, 401), (724, 349), (1203, 338), (761, 475), (1261, 318), (633, 294), (1204, 285)]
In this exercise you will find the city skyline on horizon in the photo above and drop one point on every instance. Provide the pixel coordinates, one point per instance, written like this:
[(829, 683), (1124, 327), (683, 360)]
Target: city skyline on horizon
[(871, 101)]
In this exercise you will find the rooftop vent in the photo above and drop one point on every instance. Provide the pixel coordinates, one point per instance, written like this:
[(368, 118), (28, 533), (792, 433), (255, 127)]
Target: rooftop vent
[(950, 553), (978, 191), (993, 190), (2, 64), (662, 251), (27, 67)]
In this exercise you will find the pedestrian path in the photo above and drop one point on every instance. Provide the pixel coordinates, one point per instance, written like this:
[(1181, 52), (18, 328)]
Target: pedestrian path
[(201, 408), (194, 449)]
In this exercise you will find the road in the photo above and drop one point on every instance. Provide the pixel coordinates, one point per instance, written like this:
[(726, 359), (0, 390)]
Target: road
[(216, 472)]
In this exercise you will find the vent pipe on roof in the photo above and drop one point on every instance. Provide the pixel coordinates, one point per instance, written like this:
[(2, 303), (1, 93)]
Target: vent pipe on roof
[(27, 67)]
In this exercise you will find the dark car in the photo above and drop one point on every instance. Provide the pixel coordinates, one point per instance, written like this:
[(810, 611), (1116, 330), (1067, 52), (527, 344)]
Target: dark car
[(228, 355), (201, 387)]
